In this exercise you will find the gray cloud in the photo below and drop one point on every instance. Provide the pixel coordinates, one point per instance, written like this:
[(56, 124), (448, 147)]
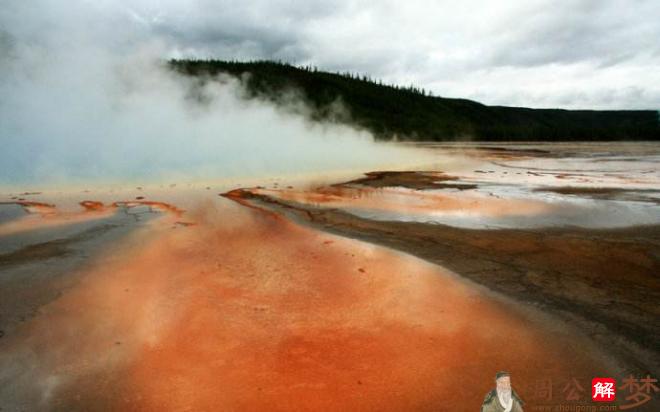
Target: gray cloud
[(83, 95), (605, 33), (525, 52), (441, 45)]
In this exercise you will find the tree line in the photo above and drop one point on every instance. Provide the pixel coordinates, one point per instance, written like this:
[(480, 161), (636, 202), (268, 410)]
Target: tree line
[(392, 111)]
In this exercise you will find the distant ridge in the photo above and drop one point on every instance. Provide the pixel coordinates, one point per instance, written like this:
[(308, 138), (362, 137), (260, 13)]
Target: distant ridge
[(409, 113)]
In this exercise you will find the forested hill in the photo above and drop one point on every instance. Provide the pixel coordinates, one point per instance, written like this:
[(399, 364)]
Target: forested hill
[(409, 113)]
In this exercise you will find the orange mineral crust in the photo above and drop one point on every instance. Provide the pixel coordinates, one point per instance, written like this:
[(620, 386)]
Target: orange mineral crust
[(409, 201), (44, 215), (247, 312)]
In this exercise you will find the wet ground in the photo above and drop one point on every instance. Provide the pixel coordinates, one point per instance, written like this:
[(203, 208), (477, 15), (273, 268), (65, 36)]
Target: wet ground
[(513, 187), (301, 296)]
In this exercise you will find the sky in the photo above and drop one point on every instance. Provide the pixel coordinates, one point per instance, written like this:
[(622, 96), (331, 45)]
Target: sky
[(600, 54), (85, 94), (536, 53)]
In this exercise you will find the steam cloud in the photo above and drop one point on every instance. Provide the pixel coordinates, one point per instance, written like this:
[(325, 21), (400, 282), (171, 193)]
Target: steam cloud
[(86, 96)]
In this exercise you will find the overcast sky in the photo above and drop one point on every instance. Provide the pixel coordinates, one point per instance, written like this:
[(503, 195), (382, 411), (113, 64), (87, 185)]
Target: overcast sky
[(83, 93), (541, 53), (538, 53)]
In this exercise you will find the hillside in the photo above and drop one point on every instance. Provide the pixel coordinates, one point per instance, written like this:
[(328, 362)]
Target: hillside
[(409, 113)]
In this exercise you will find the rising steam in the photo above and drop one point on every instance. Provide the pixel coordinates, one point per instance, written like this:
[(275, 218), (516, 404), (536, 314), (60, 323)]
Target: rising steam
[(86, 96)]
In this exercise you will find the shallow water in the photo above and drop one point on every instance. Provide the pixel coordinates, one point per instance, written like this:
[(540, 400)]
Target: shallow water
[(571, 185), (248, 311), (173, 298)]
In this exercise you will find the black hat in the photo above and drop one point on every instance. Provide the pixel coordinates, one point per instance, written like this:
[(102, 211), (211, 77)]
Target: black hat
[(501, 374)]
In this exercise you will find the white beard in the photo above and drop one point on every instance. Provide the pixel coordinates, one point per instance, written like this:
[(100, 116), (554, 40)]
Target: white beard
[(504, 397)]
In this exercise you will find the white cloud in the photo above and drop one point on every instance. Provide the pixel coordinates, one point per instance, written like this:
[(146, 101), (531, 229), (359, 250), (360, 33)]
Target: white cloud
[(442, 45)]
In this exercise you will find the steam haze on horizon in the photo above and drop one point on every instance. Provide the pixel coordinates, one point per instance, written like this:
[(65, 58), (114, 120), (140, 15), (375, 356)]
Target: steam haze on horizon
[(87, 97)]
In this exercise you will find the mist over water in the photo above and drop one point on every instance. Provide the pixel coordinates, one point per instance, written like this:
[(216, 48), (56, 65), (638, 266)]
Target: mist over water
[(87, 97)]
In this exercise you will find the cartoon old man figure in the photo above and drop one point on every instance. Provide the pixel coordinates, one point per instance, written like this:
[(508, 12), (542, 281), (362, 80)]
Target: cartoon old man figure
[(503, 397)]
